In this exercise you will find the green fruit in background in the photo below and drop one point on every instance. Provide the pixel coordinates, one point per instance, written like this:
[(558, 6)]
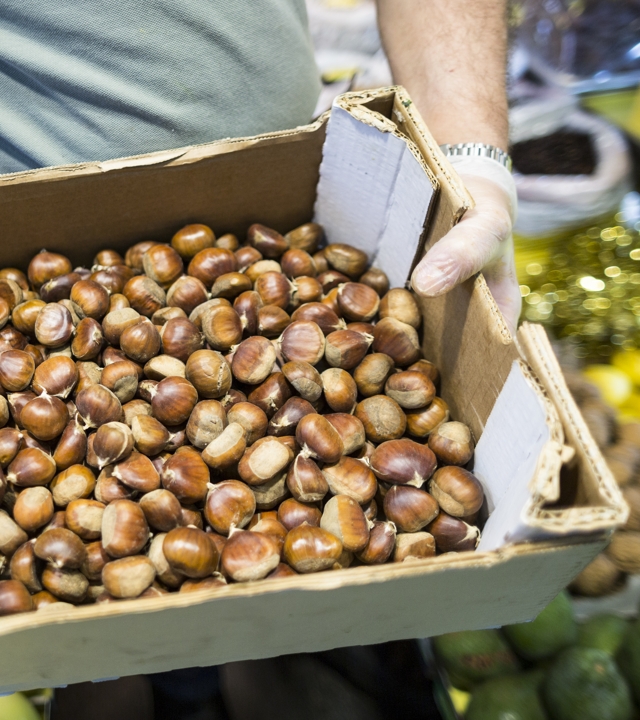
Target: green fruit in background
[(474, 655), (585, 684), (628, 657), (513, 697), (555, 628), (603, 632), (17, 707)]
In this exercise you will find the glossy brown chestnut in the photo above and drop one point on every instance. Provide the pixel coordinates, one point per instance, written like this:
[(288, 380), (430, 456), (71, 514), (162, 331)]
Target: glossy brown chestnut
[(44, 417), (457, 491), (226, 450), (16, 370), (12, 536), (14, 598), (164, 572), (286, 419), (409, 508), (54, 325), (162, 264), (452, 534), (128, 577), (74, 483), (340, 390), (173, 401), (84, 518), (401, 305), (353, 478), (162, 509), (113, 442), (253, 360), (209, 264), (61, 548), (24, 315), (138, 473), (343, 517), (124, 528), (141, 341), (24, 567), (263, 460), (33, 508), (324, 317), (414, 546), (306, 237), (398, 340), (144, 295), (149, 435), (252, 418), (311, 549), (382, 540), (346, 348), (186, 475), (230, 504), (230, 285), (30, 467), (452, 443), (189, 552), (272, 320), (372, 373), (67, 585), (304, 341), (209, 373), (319, 439), (297, 262), (206, 422), (358, 302), (97, 405), (269, 242), (346, 259), (292, 513), (248, 305), (163, 366), (47, 265), (403, 462), (72, 446), (249, 556), (92, 299), (271, 395), (122, 379), (350, 429), (410, 389), (191, 239), (88, 340), (376, 279), (304, 378), (421, 423), (133, 256), (274, 288), (426, 368), (381, 417)]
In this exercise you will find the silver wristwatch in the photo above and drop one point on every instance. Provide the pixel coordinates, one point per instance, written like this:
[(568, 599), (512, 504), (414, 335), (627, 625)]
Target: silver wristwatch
[(478, 150)]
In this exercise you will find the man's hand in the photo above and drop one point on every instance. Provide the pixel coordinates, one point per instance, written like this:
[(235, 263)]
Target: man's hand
[(451, 57)]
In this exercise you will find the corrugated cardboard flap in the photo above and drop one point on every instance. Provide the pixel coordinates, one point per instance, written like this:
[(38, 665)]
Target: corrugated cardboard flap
[(598, 505)]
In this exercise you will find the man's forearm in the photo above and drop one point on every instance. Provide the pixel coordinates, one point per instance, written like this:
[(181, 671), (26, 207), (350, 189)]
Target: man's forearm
[(451, 57)]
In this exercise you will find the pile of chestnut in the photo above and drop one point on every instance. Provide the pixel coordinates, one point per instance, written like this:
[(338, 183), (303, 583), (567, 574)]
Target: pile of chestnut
[(205, 412)]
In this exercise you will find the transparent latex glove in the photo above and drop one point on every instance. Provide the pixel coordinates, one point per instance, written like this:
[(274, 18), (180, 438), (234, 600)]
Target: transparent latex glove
[(480, 242)]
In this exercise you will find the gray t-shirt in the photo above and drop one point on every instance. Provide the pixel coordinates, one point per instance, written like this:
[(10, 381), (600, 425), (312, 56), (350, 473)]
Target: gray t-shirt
[(85, 80)]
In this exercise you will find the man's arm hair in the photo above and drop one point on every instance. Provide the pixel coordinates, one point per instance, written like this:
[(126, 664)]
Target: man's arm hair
[(451, 57)]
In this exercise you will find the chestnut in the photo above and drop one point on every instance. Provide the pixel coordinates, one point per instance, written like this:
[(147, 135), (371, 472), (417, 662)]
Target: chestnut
[(311, 549), (150, 436), (452, 534), (54, 325), (232, 398), (297, 262), (33, 508), (88, 340), (304, 378), (252, 418), (350, 429), (346, 348), (173, 401), (305, 480), (254, 271), (247, 306), (227, 448), (422, 422), (409, 508), (191, 239), (133, 256), (108, 258), (207, 420), (44, 417), (371, 374), (60, 547), (117, 301), (92, 299), (452, 443), (56, 376), (16, 275), (274, 288), (403, 462), (121, 378), (458, 492), (74, 483), (67, 585), (180, 338), (306, 289), (164, 572), (189, 552), (292, 513), (272, 321), (358, 302), (410, 389), (162, 509), (397, 340), (72, 446), (270, 494), (382, 418), (286, 419), (128, 577), (324, 317), (265, 459), (382, 540), (162, 264), (209, 373), (89, 373), (281, 571), (319, 439), (24, 567), (230, 285), (343, 517), (249, 555), (16, 370), (141, 341), (138, 473), (24, 315), (305, 237), (144, 295), (45, 599), (303, 341), (116, 322), (12, 536), (97, 405), (401, 305), (45, 266), (253, 360), (186, 475), (330, 280), (346, 259), (376, 279), (161, 317), (271, 395), (267, 523), (222, 327), (228, 241), (213, 581), (124, 528), (340, 390), (230, 504), (269, 242), (163, 366), (246, 256), (30, 467), (113, 442), (209, 264), (351, 477), (414, 546), (14, 598), (84, 518)]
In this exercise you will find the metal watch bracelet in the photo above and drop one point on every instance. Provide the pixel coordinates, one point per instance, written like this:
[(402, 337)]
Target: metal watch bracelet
[(478, 150)]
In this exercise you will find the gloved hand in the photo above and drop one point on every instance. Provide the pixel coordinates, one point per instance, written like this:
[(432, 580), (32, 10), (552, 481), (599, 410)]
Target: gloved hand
[(481, 241)]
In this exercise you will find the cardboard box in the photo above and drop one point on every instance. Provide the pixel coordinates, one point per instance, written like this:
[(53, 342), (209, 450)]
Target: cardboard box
[(376, 179)]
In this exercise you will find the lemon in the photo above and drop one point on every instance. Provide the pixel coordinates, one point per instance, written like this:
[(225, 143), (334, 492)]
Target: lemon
[(614, 384), (17, 707), (629, 363)]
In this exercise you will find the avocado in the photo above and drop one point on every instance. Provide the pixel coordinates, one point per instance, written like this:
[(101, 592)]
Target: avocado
[(604, 632), (474, 655), (585, 684), (554, 629), (513, 696), (628, 657)]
